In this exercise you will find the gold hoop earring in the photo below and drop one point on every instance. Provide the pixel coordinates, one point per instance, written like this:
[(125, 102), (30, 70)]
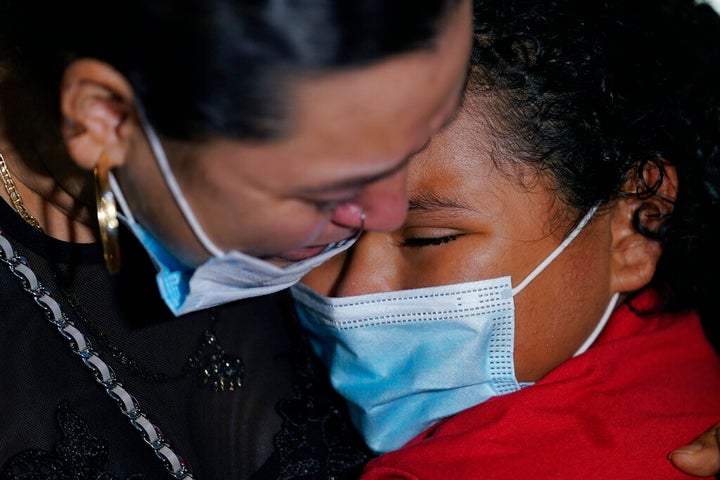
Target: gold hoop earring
[(107, 215)]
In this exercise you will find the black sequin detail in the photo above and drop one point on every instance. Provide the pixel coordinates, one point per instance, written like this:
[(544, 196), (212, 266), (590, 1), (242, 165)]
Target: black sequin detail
[(218, 371), (78, 456)]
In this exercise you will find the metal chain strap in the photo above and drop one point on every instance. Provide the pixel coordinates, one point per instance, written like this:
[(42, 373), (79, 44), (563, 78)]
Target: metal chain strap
[(102, 372)]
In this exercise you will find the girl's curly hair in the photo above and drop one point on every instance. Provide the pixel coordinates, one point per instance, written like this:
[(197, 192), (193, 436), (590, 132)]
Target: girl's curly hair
[(589, 92)]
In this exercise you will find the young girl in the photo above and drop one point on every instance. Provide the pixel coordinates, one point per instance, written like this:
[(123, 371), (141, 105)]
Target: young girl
[(537, 313)]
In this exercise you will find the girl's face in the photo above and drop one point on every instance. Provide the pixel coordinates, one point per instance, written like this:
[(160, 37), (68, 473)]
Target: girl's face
[(470, 220)]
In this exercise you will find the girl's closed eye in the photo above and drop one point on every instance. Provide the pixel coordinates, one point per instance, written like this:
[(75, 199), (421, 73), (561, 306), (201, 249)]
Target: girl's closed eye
[(427, 241)]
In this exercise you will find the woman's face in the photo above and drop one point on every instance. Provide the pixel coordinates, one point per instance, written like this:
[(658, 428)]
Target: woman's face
[(470, 220), (353, 133)]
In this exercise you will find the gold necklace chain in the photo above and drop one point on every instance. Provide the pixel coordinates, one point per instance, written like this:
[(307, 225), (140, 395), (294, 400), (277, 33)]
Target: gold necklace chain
[(15, 197)]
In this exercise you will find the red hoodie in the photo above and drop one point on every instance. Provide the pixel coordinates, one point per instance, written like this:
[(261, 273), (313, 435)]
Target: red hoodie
[(648, 385)]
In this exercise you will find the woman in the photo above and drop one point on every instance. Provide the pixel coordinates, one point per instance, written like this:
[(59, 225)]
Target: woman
[(242, 143), (537, 312)]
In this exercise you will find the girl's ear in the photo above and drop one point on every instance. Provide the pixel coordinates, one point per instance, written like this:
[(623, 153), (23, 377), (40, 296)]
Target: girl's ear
[(637, 218), (97, 109)]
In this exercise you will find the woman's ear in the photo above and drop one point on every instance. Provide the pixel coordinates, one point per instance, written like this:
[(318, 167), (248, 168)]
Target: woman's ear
[(96, 103), (650, 191)]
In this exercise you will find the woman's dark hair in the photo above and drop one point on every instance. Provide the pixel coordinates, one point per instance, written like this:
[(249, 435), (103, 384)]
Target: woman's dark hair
[(215, 67), (588, 92)]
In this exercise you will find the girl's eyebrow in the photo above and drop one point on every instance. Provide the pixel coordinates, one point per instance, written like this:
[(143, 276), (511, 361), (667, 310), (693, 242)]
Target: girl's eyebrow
[(431, 202)]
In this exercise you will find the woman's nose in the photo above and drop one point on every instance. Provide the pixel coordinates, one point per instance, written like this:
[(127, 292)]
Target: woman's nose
[(380, 207)]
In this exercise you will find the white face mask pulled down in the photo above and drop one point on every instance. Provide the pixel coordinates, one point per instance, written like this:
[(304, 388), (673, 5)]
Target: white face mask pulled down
[(405, 359), (225, 276)]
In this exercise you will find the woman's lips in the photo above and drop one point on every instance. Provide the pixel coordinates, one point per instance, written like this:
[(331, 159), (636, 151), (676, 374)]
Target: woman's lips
[(302, 254), (312, 251)]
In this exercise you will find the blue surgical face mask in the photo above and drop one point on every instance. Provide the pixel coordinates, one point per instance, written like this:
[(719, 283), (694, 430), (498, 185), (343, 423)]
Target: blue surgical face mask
[(406, 359), (225, 276)]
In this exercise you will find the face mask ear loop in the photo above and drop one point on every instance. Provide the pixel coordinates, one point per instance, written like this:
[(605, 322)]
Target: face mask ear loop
[(557, 250), (162, 161), (600, 326), (119, 197)]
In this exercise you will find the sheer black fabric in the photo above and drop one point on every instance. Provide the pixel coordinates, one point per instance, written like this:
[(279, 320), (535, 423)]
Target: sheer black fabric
[(283, 421)]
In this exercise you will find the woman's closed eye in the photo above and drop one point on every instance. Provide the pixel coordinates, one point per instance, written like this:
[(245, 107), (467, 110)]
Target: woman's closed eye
[(324, 206), (327, 206)]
